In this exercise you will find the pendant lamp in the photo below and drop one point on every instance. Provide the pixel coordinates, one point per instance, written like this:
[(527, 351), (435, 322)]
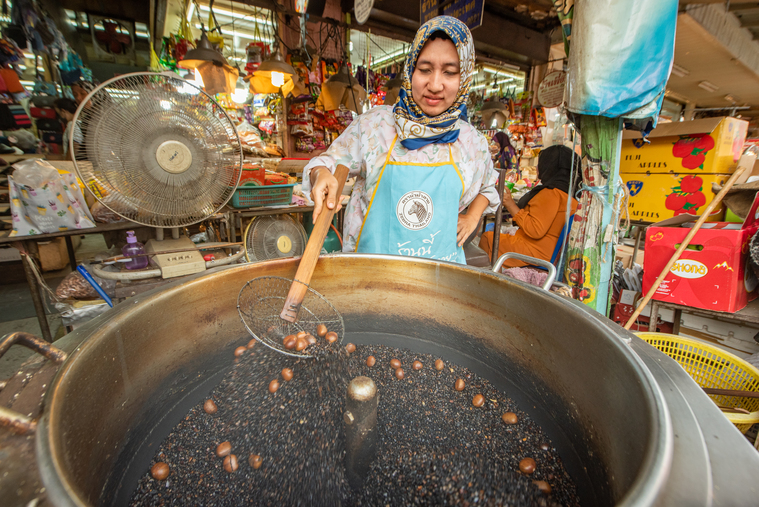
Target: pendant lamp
[(392, 89), (273, 74), (342, 88), (493, 111), (204, 53)]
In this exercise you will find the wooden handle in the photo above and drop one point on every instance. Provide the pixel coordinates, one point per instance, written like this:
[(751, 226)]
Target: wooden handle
[(311, 254), (730, 392), (683, 246)]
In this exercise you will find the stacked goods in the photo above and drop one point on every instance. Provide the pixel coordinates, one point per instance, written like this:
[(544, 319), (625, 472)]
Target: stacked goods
[(672, 171)]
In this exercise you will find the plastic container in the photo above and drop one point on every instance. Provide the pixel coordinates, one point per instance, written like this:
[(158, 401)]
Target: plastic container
[(711, 366), (267, 195), (132, 248)]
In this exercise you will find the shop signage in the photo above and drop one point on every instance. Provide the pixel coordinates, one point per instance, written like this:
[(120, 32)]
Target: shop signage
[(551, 90), (301, 6), (468, 11), (362, 8)]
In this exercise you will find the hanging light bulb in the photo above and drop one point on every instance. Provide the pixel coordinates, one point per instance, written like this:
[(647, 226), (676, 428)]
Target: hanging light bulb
[(198, 80), (277, 78)]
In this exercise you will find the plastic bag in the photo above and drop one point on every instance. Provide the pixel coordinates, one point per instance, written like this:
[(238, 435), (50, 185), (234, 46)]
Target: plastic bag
[(44, 201), (103, 215), (74, 285)]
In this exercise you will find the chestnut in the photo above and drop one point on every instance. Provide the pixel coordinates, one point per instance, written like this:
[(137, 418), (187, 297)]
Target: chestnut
[(395, 363), (321, 330), (289, 342), (545, 446), (543, 486), (223, 449), (252, 343), (399, 374), (311, 339), (527, 466), (230, 463), (331, 337), (439, 365), (301, 334), (287, 373), (273, 386), (255, 461), (301, 344), (350, 348), (417, 365), (240, 351), (478, 400), (459, 385), (370, 361), (210, 407), (160, 471), (509, 418)]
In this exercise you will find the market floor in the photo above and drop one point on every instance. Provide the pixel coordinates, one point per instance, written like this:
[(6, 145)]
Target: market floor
[(17, 310)]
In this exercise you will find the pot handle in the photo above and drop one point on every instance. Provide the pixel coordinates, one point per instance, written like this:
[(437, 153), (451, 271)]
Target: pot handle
[(16, 422), (529, 260)]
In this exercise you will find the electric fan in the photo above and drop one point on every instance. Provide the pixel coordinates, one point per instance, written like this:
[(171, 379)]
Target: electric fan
[(274, 237), (161, 152)]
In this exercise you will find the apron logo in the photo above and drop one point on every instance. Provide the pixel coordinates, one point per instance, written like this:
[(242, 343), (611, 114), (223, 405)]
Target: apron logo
[(414, 210)]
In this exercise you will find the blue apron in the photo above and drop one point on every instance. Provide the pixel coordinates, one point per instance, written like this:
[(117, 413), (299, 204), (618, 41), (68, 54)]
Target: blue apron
[(414, 211)]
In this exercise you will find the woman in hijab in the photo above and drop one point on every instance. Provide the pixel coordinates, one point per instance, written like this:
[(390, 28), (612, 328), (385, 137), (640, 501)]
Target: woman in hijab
[(540, 213), (417, 163), (507, 155)]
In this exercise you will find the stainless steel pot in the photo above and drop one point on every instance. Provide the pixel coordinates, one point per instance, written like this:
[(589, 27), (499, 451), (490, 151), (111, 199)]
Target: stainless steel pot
[(594, 387)]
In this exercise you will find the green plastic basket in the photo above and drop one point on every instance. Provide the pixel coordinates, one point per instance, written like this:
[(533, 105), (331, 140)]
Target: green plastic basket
[(262, 195)]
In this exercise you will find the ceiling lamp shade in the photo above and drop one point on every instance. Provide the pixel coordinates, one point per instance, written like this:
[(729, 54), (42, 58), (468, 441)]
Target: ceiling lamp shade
[(494, 114), (392, 89), (342, 88), (275, 74), (204, 53)]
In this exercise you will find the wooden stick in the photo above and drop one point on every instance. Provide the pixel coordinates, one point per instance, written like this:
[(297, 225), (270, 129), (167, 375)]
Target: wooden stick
[(180, 250), (730, 392), (311, 254), (684, 245)]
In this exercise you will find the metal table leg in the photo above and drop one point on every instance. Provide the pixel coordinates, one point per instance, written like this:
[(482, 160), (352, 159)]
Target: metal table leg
[(34, 288), (72, 255)]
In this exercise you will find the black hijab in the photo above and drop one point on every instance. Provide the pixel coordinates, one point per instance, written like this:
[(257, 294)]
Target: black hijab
[(554, 167)]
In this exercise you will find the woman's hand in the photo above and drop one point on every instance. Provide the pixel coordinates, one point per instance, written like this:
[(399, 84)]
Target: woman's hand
[(466, 226), (323, 187), (509, 204)]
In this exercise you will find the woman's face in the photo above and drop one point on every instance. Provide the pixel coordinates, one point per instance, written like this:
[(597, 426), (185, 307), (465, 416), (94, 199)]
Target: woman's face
[(436, 77), (79, 95)]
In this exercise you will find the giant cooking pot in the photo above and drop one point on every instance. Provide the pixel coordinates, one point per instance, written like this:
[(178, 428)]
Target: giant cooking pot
[(575, 373)]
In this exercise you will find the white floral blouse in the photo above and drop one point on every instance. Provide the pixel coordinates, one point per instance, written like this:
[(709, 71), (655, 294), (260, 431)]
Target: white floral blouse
[(363, 147)]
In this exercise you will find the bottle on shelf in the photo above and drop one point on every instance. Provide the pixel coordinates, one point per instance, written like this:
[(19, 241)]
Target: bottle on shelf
[(132, 248)]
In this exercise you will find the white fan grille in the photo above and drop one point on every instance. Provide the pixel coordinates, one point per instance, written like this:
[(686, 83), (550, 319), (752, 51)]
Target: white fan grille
[(262, 239), (127, 119)]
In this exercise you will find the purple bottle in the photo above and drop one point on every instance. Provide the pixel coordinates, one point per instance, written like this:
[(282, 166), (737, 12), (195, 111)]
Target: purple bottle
[(134, 247)]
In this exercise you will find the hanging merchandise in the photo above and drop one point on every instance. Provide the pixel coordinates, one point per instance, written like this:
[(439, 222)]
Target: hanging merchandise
[(255, 53), (342, 89), (12, 81)]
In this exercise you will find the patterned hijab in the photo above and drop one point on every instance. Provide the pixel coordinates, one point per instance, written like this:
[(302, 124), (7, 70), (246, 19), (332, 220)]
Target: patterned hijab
[(416, 129)]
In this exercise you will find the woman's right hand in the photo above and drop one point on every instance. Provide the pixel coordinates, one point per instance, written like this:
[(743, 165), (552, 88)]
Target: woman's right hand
[(323, 188)]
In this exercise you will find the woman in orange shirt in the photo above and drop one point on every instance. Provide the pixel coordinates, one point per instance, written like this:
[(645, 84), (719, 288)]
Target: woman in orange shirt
[(540, 214)]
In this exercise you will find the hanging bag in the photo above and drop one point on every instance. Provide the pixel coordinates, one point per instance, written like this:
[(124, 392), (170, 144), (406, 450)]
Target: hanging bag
[(12, 82)]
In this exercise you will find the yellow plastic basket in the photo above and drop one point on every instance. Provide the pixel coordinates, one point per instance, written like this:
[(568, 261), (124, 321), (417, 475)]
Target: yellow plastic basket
[(713, 367)]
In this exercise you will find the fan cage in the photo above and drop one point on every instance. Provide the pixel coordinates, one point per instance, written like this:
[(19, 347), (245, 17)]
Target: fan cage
[(125, 119), (262, 233)]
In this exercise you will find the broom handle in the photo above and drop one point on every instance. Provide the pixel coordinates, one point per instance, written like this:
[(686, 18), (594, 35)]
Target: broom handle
[(684, 245), (311, 254), (730, 392)]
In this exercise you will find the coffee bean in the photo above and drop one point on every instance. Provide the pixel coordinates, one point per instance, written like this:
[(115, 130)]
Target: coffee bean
[(255, 461), (223, 449), (230, 463)]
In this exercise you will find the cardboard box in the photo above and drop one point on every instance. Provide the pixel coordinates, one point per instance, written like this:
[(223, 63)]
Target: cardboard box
[(53, 254), (656, 197), (710, 145), (712, 273), (624, 254)]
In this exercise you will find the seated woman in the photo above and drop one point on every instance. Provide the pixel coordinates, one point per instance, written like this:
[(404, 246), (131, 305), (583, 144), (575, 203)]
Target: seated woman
[(540, 214)]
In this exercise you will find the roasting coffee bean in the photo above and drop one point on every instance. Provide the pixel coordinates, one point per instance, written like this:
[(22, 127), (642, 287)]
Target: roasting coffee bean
[(255, 461), (509, 418), (321, 330), (223, 449), (240, 351), (370, 361), (527, 465), (459, 385), (399, 374), (439, 365), (210, 407), (417, 365), (395, 363), (350, 348), (287, 373), (230, 463), (478, 400), (273, 386), (160, 471)]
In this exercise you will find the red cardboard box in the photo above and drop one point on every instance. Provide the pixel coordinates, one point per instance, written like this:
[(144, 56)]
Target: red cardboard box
[(712, 273)]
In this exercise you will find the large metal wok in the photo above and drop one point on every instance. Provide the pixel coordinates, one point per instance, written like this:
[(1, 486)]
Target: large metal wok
[(630, 426)]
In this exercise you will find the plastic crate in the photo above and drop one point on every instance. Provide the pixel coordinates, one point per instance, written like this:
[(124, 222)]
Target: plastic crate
[(262, 195)]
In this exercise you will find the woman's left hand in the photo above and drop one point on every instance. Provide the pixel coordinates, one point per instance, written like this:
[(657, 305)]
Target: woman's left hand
[(466, 226)]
